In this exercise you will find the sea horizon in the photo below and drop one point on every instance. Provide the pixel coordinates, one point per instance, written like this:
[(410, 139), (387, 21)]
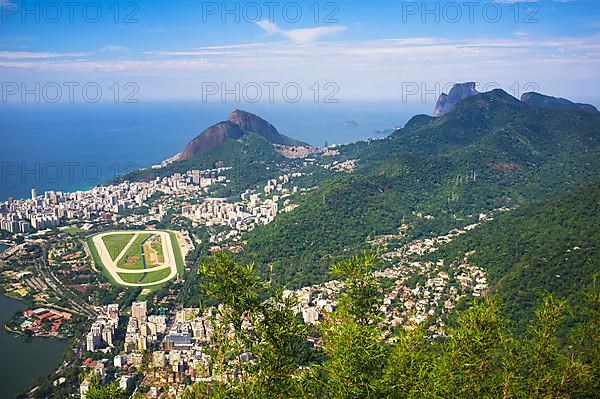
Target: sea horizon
[(75, 147)]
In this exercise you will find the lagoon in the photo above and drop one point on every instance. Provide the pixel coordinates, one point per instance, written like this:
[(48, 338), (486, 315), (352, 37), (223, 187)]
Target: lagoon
[(24, 360)]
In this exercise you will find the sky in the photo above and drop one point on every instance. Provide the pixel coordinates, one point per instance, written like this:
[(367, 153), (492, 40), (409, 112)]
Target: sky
[(295, 51)]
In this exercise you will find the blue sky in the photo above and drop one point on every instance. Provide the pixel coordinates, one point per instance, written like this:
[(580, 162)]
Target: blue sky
[(376, 50)]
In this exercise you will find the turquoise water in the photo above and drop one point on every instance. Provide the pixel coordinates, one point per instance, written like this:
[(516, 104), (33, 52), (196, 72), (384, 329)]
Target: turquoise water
[(24, 360)]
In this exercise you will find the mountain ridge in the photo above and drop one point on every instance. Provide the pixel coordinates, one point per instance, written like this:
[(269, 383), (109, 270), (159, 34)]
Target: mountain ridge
[(239, 124), (461, 92), (491, 151), (544, 101)]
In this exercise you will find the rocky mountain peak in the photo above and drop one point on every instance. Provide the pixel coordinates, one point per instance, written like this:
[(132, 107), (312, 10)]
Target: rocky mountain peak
[(239, 124), (458, 92), (253, 123), (212, 137)]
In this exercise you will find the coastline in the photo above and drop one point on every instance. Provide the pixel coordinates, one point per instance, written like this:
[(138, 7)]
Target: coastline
[(20, 332), (76, 189), (10, 330), (25, 371)]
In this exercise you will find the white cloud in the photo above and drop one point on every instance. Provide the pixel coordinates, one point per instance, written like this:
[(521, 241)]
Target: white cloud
[(374, 69), (33, 55), (300, 36), (41, 55)]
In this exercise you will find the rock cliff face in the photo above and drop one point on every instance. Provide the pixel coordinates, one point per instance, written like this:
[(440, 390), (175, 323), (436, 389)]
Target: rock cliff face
[(212, 137), (252, 123), (459, 92), (543, 101), (239, 124)]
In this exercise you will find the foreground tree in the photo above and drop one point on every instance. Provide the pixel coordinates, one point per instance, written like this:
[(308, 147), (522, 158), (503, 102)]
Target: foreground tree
[(109, 391), (259, 347), (259, 344), (352, 338)]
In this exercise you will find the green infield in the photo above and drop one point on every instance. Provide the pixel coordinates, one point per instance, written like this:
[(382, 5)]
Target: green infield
[(115, 243), (144, 278), (134, 256)]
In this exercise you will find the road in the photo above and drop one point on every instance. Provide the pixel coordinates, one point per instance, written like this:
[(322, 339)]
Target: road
[(78, 305)]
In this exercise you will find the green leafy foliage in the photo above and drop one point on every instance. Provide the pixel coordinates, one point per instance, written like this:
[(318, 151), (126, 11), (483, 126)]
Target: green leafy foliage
[(109, 391), (480, 357), (491, 151), (259, 343), (547, 247)]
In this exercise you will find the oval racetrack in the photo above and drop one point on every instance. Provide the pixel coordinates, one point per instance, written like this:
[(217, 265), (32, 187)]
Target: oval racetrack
[(115, 271)]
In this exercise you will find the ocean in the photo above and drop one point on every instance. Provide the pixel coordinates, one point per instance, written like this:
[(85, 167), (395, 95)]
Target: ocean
[(69, 147)]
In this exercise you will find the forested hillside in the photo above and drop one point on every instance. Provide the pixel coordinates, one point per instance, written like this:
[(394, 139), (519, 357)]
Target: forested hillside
[(552, 246), (491, 151), (252, 158)]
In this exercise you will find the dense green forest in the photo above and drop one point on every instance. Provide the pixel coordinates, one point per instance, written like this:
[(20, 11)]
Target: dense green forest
[(552, 246), (492, 151), (479, 358)]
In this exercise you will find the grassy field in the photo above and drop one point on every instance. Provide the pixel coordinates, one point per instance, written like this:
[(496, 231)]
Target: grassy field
[(115, 243), (145, 277), (98, 261), (177, 251), (133, 257), (74, 231)]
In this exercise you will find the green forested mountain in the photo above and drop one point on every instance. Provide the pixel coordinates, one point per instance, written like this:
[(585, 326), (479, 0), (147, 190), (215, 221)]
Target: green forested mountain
[(490, 151), (552, 246), (539, 100), (252, 158)]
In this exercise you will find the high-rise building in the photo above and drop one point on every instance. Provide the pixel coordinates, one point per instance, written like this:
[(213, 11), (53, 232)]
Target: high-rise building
[(142, 343), (138, 310), (24, 226), (92, 341), (96, 329), (113, 312), (107, 336), (33, 193), (120, 361)]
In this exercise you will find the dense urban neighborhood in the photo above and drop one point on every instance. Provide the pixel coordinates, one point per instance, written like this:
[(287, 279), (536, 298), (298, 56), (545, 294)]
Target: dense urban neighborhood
[(171, 278), (154, 344)]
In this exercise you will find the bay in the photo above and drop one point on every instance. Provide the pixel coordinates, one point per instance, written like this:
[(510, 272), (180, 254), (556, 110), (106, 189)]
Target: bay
[(69, 147)]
